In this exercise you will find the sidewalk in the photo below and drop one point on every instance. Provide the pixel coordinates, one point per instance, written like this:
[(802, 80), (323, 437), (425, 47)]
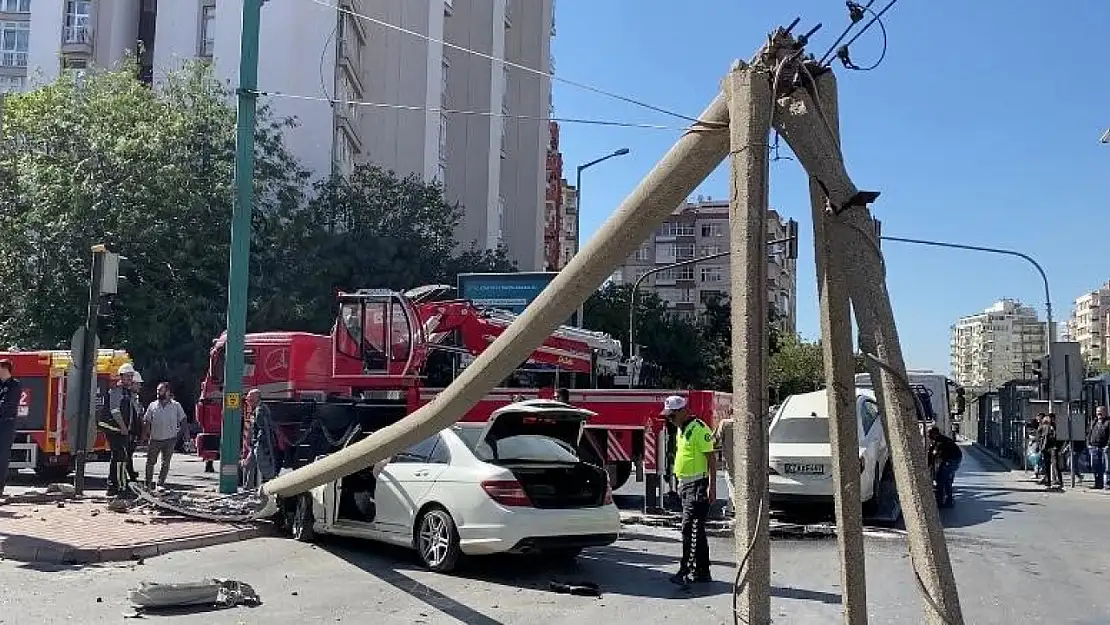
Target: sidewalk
[(63, 530)]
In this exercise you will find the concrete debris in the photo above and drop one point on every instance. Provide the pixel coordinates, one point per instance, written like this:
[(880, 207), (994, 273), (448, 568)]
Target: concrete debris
[(211, 593), (581, 589), (238, 507), (61, 488)]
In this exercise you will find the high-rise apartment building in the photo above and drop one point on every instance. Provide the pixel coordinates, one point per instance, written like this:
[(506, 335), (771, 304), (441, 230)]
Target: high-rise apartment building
[(363, 92), (569, 240), (701, 229), (553, 206), (996, 345), (1090, 318)]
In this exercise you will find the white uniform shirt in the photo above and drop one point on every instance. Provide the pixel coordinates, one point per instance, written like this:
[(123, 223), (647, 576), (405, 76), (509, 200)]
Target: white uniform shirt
[(165, 419)]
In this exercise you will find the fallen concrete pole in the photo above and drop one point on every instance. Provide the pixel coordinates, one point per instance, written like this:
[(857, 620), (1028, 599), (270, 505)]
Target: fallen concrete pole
[(808, 130), (749, 90), (696, 154), (836, 346)]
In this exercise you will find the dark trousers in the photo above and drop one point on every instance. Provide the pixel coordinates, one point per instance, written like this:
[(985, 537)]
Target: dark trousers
[(1099, 465), (1052, 474), (7, 439), (118, 476), (946, 475), (695, 544)]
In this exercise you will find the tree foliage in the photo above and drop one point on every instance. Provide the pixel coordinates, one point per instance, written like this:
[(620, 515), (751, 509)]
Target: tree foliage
[(149, 172)]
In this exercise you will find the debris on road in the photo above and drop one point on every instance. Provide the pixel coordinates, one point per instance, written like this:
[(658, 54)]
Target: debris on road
[(234, 508), (213, 593), (581, 589)]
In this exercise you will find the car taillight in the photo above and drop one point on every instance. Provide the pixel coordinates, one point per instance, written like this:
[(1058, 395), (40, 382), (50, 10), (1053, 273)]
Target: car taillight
[(507, 493)]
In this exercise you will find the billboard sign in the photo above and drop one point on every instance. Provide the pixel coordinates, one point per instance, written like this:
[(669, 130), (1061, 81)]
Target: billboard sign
[(507, 291)]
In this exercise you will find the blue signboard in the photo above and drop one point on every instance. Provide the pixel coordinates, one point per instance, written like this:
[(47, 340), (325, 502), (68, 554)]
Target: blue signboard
[(508, 291)]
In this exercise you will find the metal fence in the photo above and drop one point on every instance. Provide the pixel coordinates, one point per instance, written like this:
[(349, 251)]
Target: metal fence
[(1000, 424)]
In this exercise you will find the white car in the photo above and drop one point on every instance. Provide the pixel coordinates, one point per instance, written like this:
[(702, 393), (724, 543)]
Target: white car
[(801, 456), (514, 485)]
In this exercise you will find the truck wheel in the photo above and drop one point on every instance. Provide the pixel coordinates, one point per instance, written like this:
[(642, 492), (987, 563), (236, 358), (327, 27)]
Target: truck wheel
[(619, 472), (54, 472), (302, 529)]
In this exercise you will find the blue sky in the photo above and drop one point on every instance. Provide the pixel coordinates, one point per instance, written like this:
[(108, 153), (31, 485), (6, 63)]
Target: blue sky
[(981, 127)]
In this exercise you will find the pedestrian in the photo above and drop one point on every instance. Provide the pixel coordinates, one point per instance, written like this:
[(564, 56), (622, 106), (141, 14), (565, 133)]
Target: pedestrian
[(945, 456), (10, 392), (695, 469), (265, 458), (1033, 451), (1050, 453), (136, 436), (116, 419), (1098, 439), (164, 418)]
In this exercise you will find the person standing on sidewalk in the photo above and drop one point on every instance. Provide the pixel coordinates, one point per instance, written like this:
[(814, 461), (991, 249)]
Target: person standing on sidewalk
[(695, 468), (1098, 439), (164, 418), (1050, 453), (116, 419), (136, 436), (10, 392)]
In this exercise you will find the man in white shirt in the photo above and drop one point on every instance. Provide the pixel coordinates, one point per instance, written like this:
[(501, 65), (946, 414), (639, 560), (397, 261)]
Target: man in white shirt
[(164, 418)]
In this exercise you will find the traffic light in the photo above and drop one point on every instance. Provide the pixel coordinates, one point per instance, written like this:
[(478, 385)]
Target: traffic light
[(792, 243)]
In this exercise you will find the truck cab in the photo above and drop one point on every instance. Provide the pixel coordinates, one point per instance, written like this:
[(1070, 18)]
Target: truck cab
[(940, 400)]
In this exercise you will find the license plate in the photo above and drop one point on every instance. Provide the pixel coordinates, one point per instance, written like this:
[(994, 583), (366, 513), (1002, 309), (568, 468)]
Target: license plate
[(797, 468)]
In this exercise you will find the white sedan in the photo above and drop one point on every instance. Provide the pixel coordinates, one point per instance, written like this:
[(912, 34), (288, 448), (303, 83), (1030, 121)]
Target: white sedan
[(515, 485), (801, 456)]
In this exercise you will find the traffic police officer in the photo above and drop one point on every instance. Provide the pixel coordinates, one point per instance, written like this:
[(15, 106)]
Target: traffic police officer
[(695, 468)]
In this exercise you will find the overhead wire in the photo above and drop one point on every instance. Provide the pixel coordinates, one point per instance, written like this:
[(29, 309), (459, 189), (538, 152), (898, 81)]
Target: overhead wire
[(518, 66), (846, 60), (476, 113)]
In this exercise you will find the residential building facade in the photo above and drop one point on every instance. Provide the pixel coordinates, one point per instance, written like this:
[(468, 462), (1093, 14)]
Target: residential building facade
[(553, 205), (1088, 323), (699, 229), (570, 219), (363, 92), (996, 345)]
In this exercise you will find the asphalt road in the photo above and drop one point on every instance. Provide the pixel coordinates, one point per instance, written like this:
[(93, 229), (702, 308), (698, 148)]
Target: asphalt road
[(1022, 556)]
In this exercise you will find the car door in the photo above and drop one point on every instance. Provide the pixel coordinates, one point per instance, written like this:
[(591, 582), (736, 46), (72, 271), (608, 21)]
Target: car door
[(405, 481), (872, 439)]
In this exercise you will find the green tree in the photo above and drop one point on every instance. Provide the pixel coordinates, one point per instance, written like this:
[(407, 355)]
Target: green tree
[(716, 330), (798, 367), (148, 172), (371, 229), (667, 339)]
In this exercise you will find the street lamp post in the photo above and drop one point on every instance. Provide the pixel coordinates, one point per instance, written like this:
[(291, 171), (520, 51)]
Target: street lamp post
[(578, 194)]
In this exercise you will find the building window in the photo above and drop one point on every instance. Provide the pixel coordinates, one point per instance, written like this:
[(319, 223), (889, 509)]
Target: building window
[(77, 24), (344, 153), (14, 40), (674, 229), (711, 274), (684, 251), (208, 30), (643, 254), (70, 62), (713, 229), (709, 250), (16, 6), (12, 84), (685, 296)]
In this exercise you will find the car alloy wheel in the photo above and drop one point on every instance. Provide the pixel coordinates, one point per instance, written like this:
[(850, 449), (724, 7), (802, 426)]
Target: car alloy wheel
[(437, 540)]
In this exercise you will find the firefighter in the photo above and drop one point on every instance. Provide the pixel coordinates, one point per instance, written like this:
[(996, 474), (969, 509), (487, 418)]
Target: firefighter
[(695, 468), (115, 419), (9, 410)]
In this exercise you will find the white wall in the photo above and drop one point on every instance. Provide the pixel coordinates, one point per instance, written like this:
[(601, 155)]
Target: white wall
[(44, 63)]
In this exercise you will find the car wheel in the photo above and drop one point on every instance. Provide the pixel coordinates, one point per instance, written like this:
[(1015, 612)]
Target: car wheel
[(437, 541), (303, 520)]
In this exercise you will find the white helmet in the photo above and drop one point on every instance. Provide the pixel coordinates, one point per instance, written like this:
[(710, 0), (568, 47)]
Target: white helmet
[(137, 378), (127, 368)]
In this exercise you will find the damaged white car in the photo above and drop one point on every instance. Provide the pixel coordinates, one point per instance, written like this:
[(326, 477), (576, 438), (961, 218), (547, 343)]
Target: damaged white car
[(514, 485)]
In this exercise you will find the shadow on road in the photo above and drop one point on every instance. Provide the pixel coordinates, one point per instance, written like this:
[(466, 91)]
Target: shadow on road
[(802, 594), (975, 505)]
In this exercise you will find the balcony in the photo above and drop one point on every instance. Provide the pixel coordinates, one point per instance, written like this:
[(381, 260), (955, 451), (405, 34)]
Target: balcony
[(77, 39)]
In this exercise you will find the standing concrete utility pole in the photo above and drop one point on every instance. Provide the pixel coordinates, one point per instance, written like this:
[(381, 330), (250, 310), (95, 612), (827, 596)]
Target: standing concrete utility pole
[(812, 140), (749, 90), (696, 154), (238, 277), (86, 368), (836, 346)]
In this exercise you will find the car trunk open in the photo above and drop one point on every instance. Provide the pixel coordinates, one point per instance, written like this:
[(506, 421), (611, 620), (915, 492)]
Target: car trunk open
[(538, 441)]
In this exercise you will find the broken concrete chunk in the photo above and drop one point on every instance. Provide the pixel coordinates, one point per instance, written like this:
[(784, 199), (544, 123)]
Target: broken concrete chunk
[(213, 592)]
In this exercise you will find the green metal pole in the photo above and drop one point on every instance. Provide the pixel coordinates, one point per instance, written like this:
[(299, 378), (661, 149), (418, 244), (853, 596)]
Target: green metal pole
[(231, 432)]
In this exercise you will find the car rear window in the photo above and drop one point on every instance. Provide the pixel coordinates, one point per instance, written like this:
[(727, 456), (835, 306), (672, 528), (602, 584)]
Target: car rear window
[(525, 447), (800, 430)]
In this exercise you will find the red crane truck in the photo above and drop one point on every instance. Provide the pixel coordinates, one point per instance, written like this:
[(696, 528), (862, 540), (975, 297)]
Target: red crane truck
[(382, 341)]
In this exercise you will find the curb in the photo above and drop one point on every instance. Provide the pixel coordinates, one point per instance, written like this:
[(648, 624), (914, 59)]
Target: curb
[(991, 456), (75, 555)]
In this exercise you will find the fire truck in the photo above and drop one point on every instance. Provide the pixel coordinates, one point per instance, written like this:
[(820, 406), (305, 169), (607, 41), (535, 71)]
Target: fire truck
[(384, 347), (42, 429)]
